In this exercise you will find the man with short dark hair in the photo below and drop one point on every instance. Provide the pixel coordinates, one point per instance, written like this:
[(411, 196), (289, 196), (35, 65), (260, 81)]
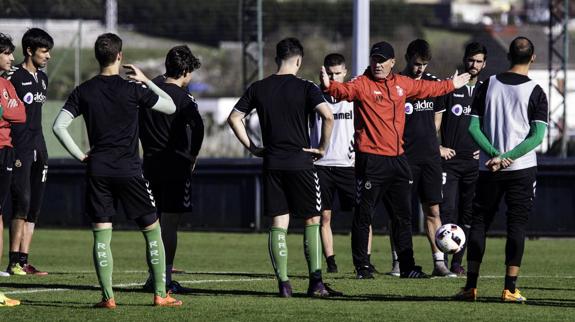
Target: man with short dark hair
[(336, 169), (459, 152), (509, 120), (31, 165), (422, 150), (285, 104), (110, 105), (173, 140), (381, 168)]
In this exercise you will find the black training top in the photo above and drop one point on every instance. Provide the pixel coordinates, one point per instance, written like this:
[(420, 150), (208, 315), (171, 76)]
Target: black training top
[(420, 138), (180, 133), (32, 90), (455, 122), (109, 105), (284, 104)]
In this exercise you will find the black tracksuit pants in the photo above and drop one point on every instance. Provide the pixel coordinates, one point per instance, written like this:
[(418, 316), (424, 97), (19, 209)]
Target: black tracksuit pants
[(518, 189), (459, 183), (388, 179)]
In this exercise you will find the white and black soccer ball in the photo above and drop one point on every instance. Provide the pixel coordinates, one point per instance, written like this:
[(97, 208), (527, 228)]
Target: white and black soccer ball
[(450, 238)]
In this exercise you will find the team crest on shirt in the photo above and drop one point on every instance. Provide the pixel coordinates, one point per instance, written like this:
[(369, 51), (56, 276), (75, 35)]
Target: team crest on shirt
[(17, 163), (43, 85), (367, 185), (399, 90), (5, 94)]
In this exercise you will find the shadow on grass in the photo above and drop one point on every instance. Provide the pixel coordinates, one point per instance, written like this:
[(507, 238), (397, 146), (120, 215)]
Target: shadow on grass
[(74, 305), (568, 303), (548, 288), (71, 287)]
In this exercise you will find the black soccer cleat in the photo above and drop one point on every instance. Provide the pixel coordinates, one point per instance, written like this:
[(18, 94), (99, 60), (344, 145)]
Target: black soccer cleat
[(285, 289), (415, 272), (331, 265), (318, 289), (363, 273)]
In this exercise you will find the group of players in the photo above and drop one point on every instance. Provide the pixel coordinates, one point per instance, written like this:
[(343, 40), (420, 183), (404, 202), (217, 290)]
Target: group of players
[(459, 145), (373, 139), (118, 114)]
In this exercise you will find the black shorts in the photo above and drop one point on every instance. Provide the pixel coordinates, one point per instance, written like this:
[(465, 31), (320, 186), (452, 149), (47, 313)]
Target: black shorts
[(6, 169), (294, 192), (104, 193), (427, 181), (171, 186), (340, 180), (28, 183)]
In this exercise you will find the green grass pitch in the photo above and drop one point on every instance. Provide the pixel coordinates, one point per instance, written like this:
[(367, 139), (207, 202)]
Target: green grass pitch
[(232, 279)]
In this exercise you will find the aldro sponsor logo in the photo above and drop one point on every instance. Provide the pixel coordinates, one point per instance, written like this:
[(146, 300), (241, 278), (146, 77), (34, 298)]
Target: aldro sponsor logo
[(458, 109), (34, 97), (419, 106)]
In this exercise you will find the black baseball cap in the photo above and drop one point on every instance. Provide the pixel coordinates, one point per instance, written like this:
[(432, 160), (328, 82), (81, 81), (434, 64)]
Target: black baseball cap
[(382, 49)]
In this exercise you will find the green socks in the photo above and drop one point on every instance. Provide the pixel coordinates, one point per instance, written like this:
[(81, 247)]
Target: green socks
[(312, 249), (278, 252), (103, 260), (156, 257)]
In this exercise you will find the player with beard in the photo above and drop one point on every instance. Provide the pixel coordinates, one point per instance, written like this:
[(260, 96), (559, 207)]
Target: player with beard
[(459, 152)]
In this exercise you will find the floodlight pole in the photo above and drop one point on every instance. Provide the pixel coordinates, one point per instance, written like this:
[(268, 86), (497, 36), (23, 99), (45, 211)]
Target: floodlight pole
[(360, 55), (112, 16)]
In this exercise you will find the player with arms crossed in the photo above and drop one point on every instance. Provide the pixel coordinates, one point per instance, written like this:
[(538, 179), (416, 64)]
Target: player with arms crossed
[(459, 152), (285, 105), (381, 168), (171, 145), (11, 111), (31, 165), (109, 105), (509, 120)]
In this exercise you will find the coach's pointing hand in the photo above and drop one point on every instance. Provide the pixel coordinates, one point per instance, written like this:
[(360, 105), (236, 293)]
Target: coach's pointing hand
[(461, 79)]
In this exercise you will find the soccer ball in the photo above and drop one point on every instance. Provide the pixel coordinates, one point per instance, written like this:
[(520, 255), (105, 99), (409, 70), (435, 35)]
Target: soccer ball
[(450, 238)]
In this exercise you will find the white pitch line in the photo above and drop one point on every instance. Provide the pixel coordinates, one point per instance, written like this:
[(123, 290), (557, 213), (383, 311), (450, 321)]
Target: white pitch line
[(269, 273), (184, 273), (41, 290)]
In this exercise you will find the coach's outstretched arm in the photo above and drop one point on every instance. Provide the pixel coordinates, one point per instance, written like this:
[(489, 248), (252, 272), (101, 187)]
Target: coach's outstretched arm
[(165, 104), (60, 129), (236, 122)]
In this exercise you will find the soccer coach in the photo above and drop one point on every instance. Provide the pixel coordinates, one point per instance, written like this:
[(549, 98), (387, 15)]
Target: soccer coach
[(381, 166)]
